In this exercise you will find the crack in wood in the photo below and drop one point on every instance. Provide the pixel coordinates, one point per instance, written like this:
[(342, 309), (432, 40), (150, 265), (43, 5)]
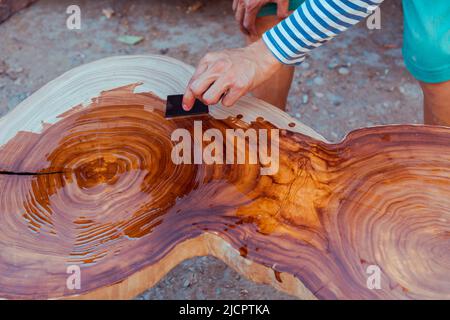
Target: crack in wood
[(12, 173)]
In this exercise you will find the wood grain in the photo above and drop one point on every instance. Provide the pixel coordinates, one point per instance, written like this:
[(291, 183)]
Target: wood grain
[(93, 185)]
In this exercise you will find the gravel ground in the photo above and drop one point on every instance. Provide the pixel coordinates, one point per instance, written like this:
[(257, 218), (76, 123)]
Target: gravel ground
[(358, 80)]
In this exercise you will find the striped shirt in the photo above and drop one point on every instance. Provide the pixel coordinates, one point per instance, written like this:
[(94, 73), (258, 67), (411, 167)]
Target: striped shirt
[(314, 23)]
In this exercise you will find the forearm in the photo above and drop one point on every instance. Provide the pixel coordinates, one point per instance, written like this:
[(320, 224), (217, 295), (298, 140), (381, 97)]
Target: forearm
[(312, 24)]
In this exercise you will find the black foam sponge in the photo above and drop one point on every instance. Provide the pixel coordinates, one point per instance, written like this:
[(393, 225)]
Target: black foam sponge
[(174, 108)]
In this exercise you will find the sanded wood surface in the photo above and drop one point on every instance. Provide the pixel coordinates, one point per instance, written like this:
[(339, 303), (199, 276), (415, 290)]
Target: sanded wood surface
[(88, 180)]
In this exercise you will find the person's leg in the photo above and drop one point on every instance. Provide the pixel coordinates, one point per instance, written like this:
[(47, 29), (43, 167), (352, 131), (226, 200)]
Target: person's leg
[(436, 103), (426, 50), (275, 90)]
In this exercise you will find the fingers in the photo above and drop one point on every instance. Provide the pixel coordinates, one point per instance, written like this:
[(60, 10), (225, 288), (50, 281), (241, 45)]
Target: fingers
[(218, 89), (210, 87), (239, 16), (189, 95), (250, 19), (188, 99), (282, 9), (229, 74), (235, 3), (203, 83), (232, 97), (208, 72), (197, 89)]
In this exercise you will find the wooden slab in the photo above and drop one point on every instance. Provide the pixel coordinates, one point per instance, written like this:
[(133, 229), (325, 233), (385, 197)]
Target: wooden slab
[(91, 183)]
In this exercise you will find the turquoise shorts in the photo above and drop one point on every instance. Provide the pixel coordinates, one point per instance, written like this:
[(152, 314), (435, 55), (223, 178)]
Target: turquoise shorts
[(426, 43)]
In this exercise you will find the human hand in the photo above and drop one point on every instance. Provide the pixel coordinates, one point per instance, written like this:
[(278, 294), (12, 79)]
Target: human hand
[(247, 10), (228, 75)]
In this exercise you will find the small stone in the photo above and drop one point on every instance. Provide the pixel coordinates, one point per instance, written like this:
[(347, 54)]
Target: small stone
[(13, 73), (390, 46), (80, 55), (343, 71), (186, 283), (164, 51), (335, 99), (305, 99), (305, 65), (318, 81), (410, 90), (193, 8), (399, 63), (244, 292), (298, 115), (333, 64), (130, 39), (319, 94), (314, 107), (108, 12), (3, 67)]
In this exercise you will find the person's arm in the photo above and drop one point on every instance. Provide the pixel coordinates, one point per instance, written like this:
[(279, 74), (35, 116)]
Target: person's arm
[(312, 24), (230, 74)]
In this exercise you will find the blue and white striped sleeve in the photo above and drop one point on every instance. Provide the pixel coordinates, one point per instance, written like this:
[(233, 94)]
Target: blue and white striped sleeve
[(314, 23)]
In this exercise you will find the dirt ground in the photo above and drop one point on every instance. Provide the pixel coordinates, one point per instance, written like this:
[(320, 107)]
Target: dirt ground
[(358, 80)]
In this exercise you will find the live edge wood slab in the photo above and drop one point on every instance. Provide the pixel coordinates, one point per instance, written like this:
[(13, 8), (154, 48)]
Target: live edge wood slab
[(87, 180)]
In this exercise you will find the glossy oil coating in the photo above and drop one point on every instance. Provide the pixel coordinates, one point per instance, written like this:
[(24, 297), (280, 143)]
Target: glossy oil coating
[(109, 199)]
